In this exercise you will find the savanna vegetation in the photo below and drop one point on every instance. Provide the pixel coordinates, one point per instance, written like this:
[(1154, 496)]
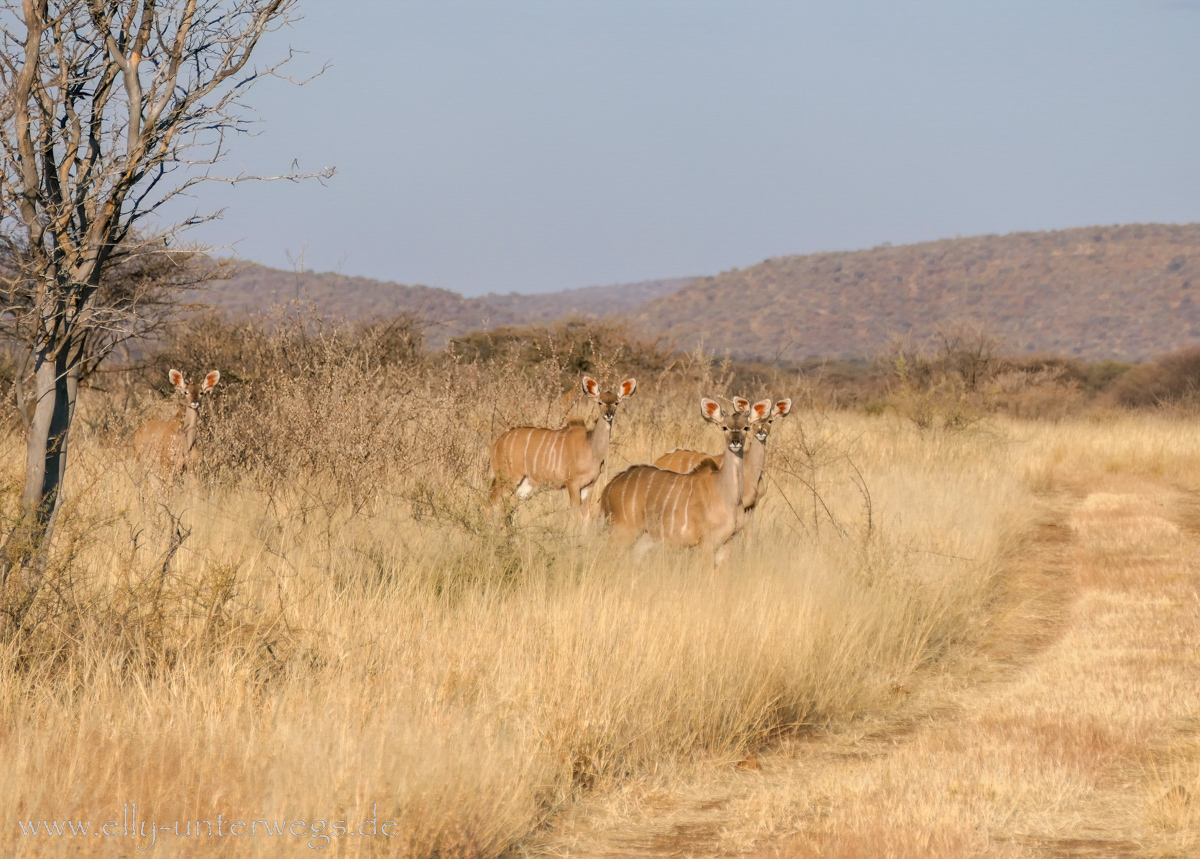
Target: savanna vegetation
[(316, 621), (322, 617)]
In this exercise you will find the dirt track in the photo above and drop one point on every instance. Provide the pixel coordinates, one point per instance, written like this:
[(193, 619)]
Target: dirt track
[(1076, 733)]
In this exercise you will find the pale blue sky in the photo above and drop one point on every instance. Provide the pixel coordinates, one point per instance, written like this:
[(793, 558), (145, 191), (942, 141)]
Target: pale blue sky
[(533, 146)]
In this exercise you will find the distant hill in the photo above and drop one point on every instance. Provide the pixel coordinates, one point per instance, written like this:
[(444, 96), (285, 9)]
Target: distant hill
[(597, 301), (257, 287), (1098, 292), (1123, 292)]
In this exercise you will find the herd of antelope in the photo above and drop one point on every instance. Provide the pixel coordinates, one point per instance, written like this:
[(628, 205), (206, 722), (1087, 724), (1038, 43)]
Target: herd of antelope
[(686, 498)]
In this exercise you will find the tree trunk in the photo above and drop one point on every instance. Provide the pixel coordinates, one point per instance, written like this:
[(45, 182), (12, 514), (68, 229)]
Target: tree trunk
[(56, 373)]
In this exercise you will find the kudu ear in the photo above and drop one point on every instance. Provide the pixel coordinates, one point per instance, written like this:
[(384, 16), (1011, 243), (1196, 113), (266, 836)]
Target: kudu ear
[(782, 408), (210, 381), (177, 380), (710, 410), (740, 405), (760, 410), (591, 387), (626, 389)]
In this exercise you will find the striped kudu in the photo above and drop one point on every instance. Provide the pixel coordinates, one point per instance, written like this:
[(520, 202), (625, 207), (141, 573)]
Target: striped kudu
[(172, 444), (703, 506), (754, 458), (530, 458)]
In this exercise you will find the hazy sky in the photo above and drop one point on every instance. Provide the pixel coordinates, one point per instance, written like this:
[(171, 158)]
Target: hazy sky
[(533, 146)]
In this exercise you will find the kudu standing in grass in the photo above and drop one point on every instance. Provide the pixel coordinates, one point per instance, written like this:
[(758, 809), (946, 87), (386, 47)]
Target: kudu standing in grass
[(754, 459), (530, 458), (701, 507), (172, 444)]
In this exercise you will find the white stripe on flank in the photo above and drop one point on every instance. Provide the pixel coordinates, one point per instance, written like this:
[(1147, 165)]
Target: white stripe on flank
[(687, 506), (537, 456), (671, 484), (649, 485), (543, 456), (677, 487), (616, 495), (627, 487), (662, 496), (639, 513), (566, 465)]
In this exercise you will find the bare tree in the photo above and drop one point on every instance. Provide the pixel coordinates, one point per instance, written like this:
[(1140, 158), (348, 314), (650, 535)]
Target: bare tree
[(961, 352), (142, 296), (111, 109), (969, 351)]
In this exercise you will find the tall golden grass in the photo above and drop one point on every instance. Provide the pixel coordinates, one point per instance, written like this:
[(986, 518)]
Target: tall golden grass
[(323, 618), (1082, 745)]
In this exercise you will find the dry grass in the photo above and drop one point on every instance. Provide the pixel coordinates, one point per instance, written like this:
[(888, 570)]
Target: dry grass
[(1074, 736), (1085, 752), (344, 627)]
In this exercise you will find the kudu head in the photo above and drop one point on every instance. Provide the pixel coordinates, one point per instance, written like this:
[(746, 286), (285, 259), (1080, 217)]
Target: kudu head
[(733, 425), (193, 392), (608, 401), (763, 414)]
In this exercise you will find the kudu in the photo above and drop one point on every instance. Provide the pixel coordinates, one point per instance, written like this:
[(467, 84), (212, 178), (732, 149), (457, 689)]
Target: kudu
[(530, 458), (172, 444), (754, 458), (701, 507)]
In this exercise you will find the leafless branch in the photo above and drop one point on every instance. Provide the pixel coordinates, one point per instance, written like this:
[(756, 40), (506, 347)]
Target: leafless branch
[(108, 110)]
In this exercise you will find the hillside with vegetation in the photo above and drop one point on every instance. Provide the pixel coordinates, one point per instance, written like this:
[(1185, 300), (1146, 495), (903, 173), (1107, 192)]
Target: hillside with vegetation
[(1122, 292), (254, 288)]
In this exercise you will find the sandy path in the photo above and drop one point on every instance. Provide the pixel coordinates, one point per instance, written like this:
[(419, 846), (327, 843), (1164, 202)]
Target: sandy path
[(1077, 733)]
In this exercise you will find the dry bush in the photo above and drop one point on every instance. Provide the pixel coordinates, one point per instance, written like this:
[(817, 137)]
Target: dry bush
[(936, 383), (574, 347), (1168, 379), (843, 384), (1038, 390), (915, 381), (955, 380), (291, 340), (1101, 375)]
